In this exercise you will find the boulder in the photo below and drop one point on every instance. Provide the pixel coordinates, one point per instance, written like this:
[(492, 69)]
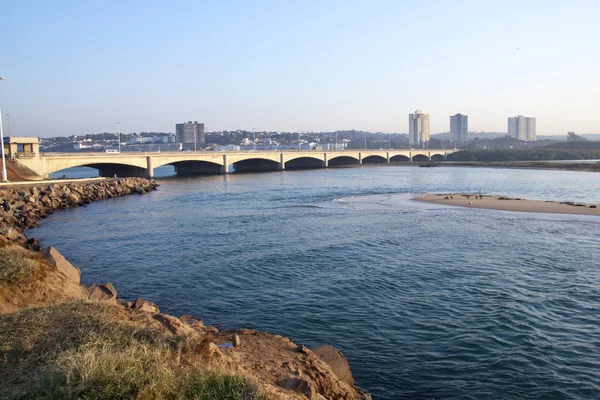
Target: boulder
[(145, 306), (12, 234), (303, 386), (336, 361), (124, 303), (236, 341), (103, 292), (73, 199), (56, 259), (173, 325)]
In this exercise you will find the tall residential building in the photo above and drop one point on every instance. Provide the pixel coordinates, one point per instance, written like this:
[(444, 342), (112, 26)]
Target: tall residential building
[(190, 134), (418, 129), (522, 128), (459, 128)]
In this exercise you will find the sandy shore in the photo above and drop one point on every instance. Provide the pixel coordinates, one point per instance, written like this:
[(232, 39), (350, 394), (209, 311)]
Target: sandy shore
[(511, 204)]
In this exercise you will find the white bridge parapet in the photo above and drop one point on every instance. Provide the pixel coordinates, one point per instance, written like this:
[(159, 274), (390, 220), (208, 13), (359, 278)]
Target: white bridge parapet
[(212, 162)]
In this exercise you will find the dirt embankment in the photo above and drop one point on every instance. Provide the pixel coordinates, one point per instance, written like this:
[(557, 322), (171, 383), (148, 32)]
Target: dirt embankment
[(21, 207), (61, 339), (73, 341)]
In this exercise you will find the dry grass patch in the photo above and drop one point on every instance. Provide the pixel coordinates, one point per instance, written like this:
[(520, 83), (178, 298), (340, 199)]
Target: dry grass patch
[(17, 264), (83, 350)]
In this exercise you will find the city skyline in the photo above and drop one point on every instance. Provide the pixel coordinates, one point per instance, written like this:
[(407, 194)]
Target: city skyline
[(296, 67)]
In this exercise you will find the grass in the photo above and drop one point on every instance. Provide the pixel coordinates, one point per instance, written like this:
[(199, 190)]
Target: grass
[(84, 350), (17, 264)]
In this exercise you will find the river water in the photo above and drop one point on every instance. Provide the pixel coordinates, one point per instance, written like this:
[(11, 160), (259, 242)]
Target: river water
[(426, 302)]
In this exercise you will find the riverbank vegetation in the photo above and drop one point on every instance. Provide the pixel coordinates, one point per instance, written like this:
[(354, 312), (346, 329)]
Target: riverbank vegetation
[(94, 351), (537, 154)]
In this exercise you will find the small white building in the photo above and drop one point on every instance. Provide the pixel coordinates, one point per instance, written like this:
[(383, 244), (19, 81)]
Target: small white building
[(229, 147)]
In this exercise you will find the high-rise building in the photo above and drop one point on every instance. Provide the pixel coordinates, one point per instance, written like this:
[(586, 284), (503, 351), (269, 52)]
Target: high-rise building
[(418, 129), (190, 134), (459, 128), (522, 128)]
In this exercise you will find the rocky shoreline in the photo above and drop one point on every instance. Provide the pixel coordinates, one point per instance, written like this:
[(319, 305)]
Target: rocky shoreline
[(279, 368), (21, 207)]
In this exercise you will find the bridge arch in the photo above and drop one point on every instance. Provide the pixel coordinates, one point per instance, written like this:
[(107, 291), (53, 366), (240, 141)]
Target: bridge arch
[(374, 159), (304, 163), (343, 160), (194, 167), (256, 165), (420, 158), (438, 157), (105, 169), (399, 158)]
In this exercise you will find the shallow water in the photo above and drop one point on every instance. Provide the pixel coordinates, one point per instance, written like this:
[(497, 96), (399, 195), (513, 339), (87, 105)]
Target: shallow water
[(426, 301)]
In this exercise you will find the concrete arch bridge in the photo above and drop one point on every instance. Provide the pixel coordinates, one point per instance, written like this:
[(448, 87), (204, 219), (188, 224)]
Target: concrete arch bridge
[(209, 162)]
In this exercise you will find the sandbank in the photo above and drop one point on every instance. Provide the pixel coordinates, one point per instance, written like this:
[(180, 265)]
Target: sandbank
[(511, 204)]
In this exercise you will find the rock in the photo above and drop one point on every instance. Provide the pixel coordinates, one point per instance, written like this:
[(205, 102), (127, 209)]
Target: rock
[(73, 199), (124, 303), (174, 325), (236, 340), (303, 386), (191, 320), (145, 306), (56, 259), (104, 292), (3, 240), (336, 361), (6, 206), (12, 235), (303, 349)]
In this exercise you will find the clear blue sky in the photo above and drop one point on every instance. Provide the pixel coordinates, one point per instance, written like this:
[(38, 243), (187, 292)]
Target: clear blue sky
[(77, 67)]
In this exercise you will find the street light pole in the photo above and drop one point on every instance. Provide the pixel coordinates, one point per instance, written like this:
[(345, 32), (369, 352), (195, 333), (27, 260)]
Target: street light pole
[(4, 175), (299, 140), (119, 135), (336, 141)]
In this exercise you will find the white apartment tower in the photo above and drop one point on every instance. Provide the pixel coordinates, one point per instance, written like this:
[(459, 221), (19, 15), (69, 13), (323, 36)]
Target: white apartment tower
[(522, 128), (418, 129), (459, 128)]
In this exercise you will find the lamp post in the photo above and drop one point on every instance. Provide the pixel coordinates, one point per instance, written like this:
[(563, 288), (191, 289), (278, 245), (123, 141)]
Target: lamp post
[(336, 141), (119, 135), (4, 176), (299, 140), (253, 139)]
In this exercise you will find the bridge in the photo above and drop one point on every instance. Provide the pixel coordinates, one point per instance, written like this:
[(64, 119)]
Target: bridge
[(212, 162)]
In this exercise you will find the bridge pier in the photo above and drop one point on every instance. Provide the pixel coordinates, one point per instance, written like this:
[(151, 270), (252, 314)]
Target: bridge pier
[(387, 157), (150, 167), (225, 168), (360, 158), (281, 165)]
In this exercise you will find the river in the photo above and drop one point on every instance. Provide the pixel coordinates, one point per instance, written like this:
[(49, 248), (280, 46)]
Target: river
[(425, 301)]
